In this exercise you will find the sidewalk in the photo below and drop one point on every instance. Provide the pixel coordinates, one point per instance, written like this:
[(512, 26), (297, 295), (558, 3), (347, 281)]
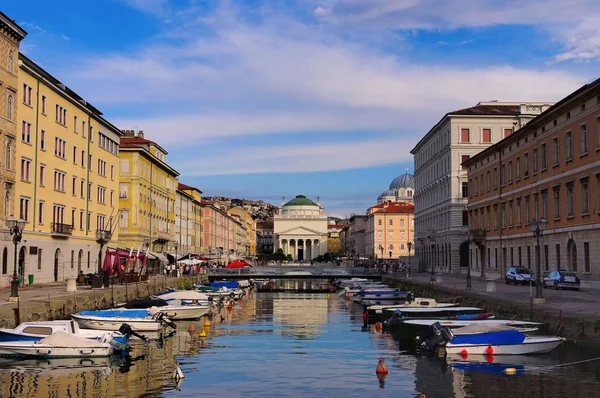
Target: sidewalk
[(582, 304)]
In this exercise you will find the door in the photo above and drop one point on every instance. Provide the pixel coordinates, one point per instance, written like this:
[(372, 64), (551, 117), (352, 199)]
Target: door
[(56, 257), (300, 254)]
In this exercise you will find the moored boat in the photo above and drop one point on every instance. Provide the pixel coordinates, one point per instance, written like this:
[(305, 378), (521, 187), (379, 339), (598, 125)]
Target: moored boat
[(175, 312), (139, 320), (58, 345), (376, 311)]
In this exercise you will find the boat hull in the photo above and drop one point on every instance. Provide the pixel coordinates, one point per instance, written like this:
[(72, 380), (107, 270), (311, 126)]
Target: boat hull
[(36, 350), (184, 312), (531, 345), (112, 324)]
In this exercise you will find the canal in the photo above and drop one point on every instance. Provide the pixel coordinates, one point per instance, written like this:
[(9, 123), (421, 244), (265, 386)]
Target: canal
[(292, 345)]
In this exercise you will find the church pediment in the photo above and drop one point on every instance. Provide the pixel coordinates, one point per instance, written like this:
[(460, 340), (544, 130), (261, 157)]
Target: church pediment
[(299, 231)]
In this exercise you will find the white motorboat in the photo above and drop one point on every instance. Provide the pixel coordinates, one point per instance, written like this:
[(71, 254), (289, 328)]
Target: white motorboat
[(35, 331), (58, 345), (489, 340), (175, 309), (376, 311), (461, 323), (184, 295), (139, 320)]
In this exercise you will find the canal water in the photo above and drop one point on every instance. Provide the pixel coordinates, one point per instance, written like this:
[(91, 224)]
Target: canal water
[(297, 345)]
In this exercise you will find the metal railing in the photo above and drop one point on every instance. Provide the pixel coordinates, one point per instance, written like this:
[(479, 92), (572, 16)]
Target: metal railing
[(289, 271), (61, 229)]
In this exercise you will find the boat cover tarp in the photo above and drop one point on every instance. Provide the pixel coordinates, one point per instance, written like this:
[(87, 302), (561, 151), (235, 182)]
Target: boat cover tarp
[(227, 284), (481, 328), (62, 339), (184, 295), (125, 313), (146, 303), (503, 337)]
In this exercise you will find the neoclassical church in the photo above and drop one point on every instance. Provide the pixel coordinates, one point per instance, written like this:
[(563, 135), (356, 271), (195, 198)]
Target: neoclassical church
[(300, 229), (401, 189)]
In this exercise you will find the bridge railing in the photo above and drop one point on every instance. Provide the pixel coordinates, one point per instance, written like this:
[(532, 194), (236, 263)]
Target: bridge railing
[(291, 271)]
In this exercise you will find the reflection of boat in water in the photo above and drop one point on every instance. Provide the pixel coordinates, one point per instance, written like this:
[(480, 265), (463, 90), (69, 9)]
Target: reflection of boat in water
[(61, 366), (498, 365)]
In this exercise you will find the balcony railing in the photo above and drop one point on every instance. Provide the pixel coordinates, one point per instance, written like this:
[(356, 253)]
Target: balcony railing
[(60, 229)]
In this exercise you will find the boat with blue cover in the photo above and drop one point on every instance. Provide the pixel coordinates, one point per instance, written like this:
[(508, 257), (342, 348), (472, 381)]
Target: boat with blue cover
[(139, 320), (381, 294), (35, 331), (489, 340)]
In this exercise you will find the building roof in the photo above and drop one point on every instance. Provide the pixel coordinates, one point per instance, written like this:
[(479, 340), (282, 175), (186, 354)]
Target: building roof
[(539, 120), (187, 187), (15, 29), (136, 142), (393, 207), (300, 200), (404, 181)]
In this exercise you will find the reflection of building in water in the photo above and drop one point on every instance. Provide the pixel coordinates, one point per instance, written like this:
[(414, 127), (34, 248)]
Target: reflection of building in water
[(300, 315), (434, 379)]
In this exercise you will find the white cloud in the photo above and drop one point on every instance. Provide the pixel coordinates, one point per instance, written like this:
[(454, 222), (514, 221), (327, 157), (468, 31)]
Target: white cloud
[(296, 158), (581, 42), (320, 11)]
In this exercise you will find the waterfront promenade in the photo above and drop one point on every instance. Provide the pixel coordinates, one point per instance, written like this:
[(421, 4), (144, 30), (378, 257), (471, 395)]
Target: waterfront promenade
[(574, 314)]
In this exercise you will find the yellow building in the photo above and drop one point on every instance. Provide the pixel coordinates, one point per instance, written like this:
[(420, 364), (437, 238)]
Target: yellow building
[(189, 226), (11, 35), (250, 225), (147, 193), (389, 228), (333, 238), (68, 178)]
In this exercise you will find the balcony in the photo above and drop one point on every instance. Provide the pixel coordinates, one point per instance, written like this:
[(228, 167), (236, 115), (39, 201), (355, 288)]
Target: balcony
[(60, 230), (478, 235)]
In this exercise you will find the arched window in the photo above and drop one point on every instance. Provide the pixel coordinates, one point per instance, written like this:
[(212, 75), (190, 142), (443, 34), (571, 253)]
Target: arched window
[(10, 106), (9, 154), (11, 61), (7, 204)]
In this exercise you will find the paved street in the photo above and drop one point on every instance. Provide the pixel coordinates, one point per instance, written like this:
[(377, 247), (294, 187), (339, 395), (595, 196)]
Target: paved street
[(583, 303)]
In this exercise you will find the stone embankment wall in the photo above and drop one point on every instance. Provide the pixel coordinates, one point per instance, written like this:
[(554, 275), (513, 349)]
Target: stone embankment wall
[(62, 307), (556, 322)]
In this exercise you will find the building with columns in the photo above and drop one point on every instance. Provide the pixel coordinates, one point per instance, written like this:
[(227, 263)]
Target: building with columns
[(300, 229), (441, 184)]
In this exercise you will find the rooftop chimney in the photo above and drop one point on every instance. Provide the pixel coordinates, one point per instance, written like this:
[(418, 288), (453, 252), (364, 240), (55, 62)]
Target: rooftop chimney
[(140, 134), (127, 133)]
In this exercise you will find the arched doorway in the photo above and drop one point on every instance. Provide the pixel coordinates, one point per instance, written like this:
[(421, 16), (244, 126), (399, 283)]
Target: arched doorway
[(572, 255), (5, 261), (21, 262), (464, 254), (56, 258), (79, 261)]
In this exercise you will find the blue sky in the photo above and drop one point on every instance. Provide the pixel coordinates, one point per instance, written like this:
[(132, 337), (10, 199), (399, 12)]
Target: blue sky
[(264, 99)]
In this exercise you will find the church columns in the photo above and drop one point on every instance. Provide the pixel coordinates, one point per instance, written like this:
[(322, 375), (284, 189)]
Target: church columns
[(304, 257)]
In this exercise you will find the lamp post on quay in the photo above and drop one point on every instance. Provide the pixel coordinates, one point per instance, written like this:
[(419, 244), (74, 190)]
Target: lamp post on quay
[(147, 241), (409, 245), (538, 226), (16, 230), (431, 238), (469, 240)]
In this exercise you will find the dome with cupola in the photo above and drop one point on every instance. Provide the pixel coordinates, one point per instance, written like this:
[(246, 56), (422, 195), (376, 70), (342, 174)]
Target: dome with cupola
[(300, 200), (402, 189)]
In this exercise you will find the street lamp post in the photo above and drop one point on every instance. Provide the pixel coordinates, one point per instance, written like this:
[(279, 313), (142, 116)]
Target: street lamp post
[(431, 238), (409, 245), (469, 240), (147, 241), (16, 230), (538, 226), (102, 237)]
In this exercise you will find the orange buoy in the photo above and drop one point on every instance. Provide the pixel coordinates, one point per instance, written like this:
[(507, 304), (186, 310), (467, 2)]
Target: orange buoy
[(378, 326), (381, 367), (229, 306), (381, 377)]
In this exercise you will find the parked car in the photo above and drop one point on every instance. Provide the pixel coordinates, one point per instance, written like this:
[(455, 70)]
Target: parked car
[(520, 275), (562, 279)]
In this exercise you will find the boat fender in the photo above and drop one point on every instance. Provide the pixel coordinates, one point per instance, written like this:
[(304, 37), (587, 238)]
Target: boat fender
[(489, 350), (464, 354), (232, 294), (378, 326), (510, 371), (381, 367)]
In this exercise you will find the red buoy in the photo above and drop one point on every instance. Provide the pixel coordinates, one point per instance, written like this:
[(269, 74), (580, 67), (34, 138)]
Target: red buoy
[(489, 350), (464, 354), (381, 367), (378, 326)]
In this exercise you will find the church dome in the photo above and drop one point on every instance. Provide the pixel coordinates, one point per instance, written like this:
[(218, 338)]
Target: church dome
[(386, 194), (300, 200), (404, 181)]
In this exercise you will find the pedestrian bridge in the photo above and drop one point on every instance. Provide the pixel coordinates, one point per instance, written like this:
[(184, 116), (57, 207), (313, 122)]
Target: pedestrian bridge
[(292, 272)]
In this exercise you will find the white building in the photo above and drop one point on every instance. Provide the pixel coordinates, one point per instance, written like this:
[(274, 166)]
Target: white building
[(300, 229), (441, 185)]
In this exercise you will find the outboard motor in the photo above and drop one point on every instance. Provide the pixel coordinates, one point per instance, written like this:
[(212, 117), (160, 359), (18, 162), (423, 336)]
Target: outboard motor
[(395, 316), (161, 318), (435, 335), (126, 330)]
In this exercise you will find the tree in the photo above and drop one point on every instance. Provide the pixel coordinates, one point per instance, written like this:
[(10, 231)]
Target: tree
[(279, 255)]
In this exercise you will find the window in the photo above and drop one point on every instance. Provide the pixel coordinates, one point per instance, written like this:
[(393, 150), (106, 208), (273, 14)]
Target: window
[(42, 169), (25, 170), (102, 168), (26, 132), (73, 218), (584, 197), (545, 204), (60, 148), (555, 152), (519, 211), (379, 222), (82, 158), (558, 256), (465, 218), (544, 157), (598, 133), (391, 221), (476, 186), (510, 213), (27, 90), (570, 201), (401, 223), (81, 220), (81, 190), (112, 172), (89, 192), (74, 190), (556, 194), (39, 259), (10, 105), (586, 257), (379, 235), (495, 177), (527, 214), (8, 210), (463, 159), (536, 206), (488, 181), (486, 135), (90, 161), (124, 192), (546, 261), (58, 216), (503, 216), (59, 181), (465, 189), (583, 139), (24, 209), (391, 235), (517, 168), (108, 144), (43, 140), (11, 61), (112, 198), (43, 104), (124, 166), (569, 146), (509, 172), (525, 164), (41, 212), (100, 220), (102, 195), (83, 129), (9, 154), (502, 175), (61, 115), (123, 217), (535, 160), (75, 123), (89, 221), (464, 135), (507, 132)]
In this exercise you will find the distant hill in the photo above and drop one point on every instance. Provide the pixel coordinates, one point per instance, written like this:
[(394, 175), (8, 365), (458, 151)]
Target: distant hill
[(260, 210)]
